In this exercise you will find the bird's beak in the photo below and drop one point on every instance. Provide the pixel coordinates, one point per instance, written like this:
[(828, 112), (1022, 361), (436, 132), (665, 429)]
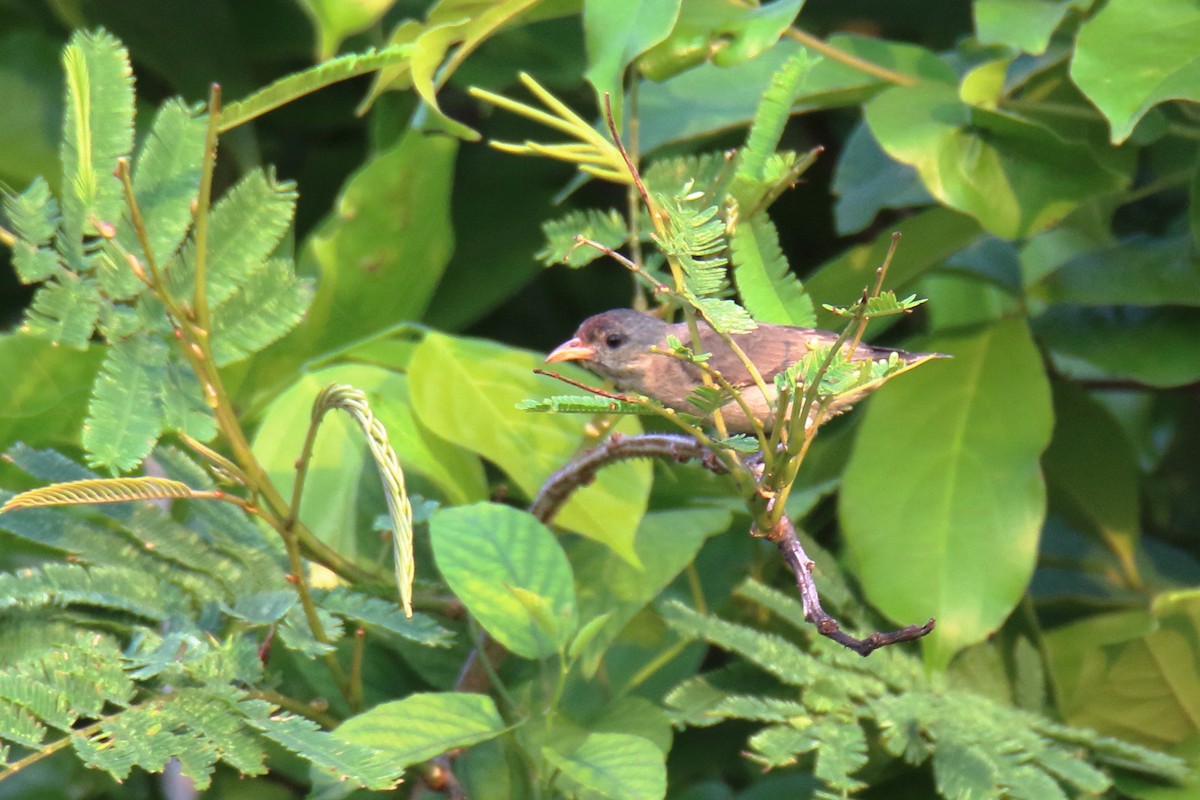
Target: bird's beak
[(571, 350)]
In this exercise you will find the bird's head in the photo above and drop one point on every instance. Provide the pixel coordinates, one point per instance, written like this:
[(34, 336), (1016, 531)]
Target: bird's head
[(614, 345)]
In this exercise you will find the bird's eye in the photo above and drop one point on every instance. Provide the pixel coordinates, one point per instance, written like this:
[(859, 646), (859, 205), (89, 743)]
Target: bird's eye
[(614, 340)]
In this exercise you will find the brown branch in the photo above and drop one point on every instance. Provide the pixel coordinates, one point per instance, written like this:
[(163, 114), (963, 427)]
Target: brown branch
[(784, 537)]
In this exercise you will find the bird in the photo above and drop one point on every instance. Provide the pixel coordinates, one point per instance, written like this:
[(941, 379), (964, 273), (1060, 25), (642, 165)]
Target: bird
[(617, 346)]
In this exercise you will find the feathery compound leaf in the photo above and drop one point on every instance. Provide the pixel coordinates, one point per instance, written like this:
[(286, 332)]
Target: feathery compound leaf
[(725, 316), (770, 119), (244, 229), (102, 490), (606, 228), (166, 180), (768, 288), (34, 217), (582, 404), (125, 415), (264, 309), (295, 86), (675, 176), (97, 130), (695, 236), (384, 615), (65, 311), (112, 587), (354, 403), (184, 409)]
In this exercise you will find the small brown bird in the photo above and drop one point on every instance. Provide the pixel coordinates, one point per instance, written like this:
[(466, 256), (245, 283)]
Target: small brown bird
[(616, 345)]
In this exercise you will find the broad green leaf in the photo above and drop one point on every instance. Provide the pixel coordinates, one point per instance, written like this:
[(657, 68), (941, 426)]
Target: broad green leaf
[(1159, 347), (1014, 176), (262, 310), (929, 238), (666, 543), (1092, 474), (1131, 56), (616, 33), (335, 20), (424, 725), (125, 416), (943, 499), (466, 391), (64, 311), (770, 291), (46, 390), (1131, 674), (380, 253), (332, 490), (867, 181), (488, 554), (1142, 271), (614, 765), (724, 33), (462, 25), (97, 130), (1023, 24)]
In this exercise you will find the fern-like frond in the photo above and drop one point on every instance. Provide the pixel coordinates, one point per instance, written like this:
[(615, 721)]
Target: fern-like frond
[(64, 310), (183, 405), (383, 615), (695, 237), (97, 130), (110, 587), (678, 175), (245, 227), (34, 217), (606, 228), (295, 86), (769, 121), (102, 490), (769, 289), (262, 310), (582, 404), (131, 378)]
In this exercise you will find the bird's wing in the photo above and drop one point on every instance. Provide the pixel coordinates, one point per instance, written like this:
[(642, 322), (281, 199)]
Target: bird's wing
[(772, 348)]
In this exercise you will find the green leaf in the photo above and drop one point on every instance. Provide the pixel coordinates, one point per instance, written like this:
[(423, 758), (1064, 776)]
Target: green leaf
[(245, 227), (616, 32), (1023, 24), (1092, 473), (485, 552), (166, 181), (466, 391), (1131, 56), (582, 404), (614, 765), (384, 615), (1129, 674), (1014, 176), (264, 309), (606, 228), (336, 20), (183, 403), (943, 499), (725, 33), (45, 392), (610, 587), (1159, 347), (751, 180), (930, 237), (1142, 271), (964, 773), (34, 217), (332, 500), (380, 253), (770, 291), (866, 181), (64, 311), (424, 725), (97, 130), (115, 436)]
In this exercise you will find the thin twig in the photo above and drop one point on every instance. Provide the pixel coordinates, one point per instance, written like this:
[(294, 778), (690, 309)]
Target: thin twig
[(784, 537)]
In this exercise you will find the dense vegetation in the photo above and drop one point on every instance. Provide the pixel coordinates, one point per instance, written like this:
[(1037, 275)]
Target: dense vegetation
[(287, 519)]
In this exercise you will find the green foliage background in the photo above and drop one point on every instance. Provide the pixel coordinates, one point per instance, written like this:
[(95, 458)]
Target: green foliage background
[(1037, 493)]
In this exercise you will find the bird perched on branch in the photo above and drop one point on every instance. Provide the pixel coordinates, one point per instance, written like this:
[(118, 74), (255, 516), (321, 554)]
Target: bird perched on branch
[(616, 345)]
